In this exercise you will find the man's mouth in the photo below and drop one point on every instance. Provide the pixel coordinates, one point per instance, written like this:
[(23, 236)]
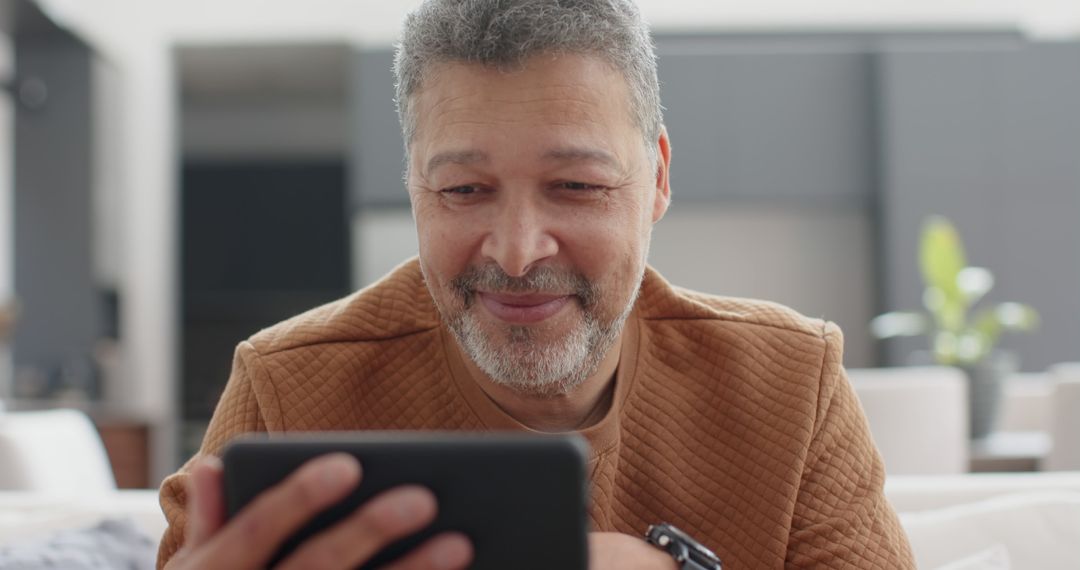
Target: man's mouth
[(522, 308)]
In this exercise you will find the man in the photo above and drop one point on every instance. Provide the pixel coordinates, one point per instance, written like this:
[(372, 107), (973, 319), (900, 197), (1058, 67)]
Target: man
[(537, 166)]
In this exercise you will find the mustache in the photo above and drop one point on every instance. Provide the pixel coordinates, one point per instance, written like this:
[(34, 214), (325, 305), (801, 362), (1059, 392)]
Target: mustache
[(542, 279)]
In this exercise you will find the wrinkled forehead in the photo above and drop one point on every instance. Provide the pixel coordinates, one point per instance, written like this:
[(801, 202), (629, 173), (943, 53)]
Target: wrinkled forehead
[(557, 96), (462, 86)]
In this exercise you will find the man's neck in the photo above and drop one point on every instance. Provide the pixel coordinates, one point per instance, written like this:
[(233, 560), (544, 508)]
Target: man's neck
[(582, 407)]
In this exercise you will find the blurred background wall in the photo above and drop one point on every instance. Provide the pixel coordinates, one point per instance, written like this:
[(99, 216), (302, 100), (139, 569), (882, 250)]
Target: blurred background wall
[(7, 206), (809, 143)]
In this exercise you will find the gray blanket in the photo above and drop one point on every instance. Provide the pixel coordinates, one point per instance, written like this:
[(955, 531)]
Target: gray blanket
[(113, 544)]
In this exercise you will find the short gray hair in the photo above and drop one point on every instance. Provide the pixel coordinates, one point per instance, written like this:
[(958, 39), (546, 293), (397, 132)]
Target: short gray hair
[(504, 34)]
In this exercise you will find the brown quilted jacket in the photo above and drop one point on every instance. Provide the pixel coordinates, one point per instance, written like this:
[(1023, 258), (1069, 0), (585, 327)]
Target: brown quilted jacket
[(732, 419)]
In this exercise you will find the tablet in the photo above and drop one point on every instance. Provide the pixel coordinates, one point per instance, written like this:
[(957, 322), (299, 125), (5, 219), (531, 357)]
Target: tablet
[(520, 498)]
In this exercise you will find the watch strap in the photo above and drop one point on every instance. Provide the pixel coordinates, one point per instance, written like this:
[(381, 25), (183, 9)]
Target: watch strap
[(689, 553)]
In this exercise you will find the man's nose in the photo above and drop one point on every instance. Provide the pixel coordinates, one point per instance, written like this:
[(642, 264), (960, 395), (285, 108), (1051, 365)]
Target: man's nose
[(520, 238)]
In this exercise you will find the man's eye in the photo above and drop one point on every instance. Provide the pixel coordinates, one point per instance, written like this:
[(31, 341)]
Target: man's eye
[(459, 190), (580, 186)]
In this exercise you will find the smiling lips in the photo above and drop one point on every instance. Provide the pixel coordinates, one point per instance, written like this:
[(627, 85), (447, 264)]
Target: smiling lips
[(522, 308)]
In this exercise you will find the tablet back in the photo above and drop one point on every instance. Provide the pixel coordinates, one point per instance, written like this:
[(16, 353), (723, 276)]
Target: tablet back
[(521, 499)]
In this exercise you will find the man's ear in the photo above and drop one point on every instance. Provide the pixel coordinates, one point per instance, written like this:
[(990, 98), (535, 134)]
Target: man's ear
[(662, 199)]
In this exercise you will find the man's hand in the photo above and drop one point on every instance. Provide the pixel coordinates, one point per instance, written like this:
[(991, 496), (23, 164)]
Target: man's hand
[(250, 539), (615, 551)]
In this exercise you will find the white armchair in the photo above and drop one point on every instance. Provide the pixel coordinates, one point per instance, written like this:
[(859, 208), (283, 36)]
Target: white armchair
[(1033, 518), (918, 416), (1065, 419), (54, 451)]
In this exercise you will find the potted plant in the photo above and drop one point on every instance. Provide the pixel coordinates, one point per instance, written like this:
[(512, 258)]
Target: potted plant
[(958, 335), (7, 320), (8, 313)]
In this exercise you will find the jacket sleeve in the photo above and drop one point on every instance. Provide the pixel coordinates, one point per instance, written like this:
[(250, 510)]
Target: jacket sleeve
[(842, 518), (240, 410)]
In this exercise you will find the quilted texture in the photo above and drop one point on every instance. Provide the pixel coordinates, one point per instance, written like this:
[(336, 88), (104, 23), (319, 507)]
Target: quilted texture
[(731, 419)]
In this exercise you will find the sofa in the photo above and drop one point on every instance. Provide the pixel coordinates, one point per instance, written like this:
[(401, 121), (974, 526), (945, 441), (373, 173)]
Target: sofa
[(57, 484), (1023, 521), (918, 416), (1011, 520)]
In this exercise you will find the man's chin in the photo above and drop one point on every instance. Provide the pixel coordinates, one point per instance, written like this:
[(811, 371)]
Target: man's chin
[(532, 379), (540, 360), (527, 359)]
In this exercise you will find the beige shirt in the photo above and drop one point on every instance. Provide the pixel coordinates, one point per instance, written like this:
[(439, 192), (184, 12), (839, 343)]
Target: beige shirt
[(730, 418)]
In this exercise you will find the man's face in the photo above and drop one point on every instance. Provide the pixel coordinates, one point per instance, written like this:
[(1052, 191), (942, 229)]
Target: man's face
[(534, 198)]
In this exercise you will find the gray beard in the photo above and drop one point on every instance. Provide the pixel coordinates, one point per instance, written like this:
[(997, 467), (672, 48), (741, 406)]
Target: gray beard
[(523, 363), (529, 367)]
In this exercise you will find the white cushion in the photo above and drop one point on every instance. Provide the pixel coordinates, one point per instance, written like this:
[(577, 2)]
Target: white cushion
[(27, 516), (909, 493), (56, 451), (1065, 422), (994, 558), (1039, 529), (917, 416)]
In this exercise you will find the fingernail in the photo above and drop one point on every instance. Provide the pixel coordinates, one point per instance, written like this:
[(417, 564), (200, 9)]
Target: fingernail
[(451, 552), (413, 505), (339, 469), (212, 462), (408, 509)]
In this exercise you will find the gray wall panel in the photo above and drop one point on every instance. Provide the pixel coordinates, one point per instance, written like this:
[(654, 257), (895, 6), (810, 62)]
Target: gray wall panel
[(54, 277), (745, 124), (988, 138), (768, 124), (1040, 200), (939, 153), (377, 158)]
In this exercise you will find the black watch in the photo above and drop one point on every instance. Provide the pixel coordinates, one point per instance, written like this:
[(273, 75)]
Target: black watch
[(689, 553)]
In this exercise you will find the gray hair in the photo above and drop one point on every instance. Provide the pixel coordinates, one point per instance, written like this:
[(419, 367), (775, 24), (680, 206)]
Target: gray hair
[(504, 34)]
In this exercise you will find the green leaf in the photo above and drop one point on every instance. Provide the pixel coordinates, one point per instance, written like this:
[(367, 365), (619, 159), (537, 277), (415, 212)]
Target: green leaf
[(942, 258), (971, 347), (987, 325), (990, 322), (974, 283), (900, 323), (945, 346), (1017, 316), (951, 290)]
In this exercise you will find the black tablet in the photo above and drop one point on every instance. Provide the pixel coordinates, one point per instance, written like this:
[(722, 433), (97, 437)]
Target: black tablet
[(520, 498)]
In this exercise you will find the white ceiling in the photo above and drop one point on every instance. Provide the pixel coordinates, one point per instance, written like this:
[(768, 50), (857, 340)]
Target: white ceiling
[(377, 21), (237, 34)]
